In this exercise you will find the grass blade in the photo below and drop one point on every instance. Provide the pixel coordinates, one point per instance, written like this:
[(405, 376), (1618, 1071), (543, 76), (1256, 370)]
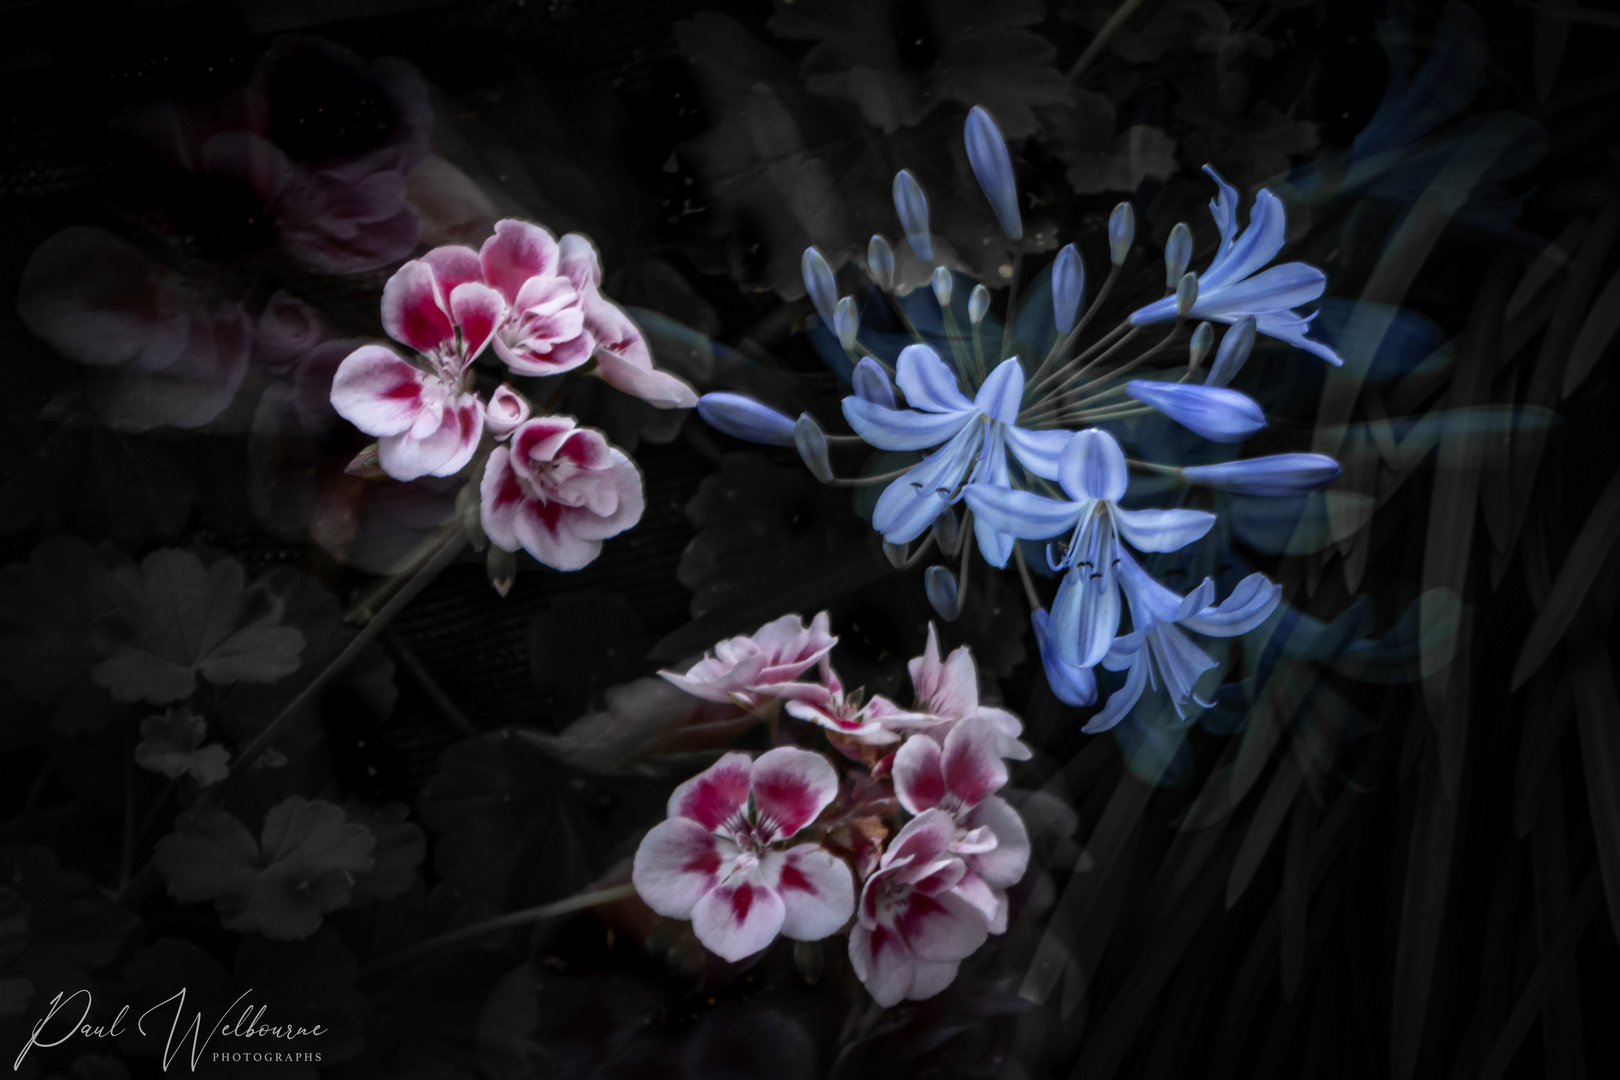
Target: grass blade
[(1597, 720), (1268, 817)]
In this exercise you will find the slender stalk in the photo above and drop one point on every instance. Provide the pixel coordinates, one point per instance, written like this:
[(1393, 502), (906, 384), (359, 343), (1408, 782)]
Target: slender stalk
[(1109, 29), (899, 310), (1132, 365), (1012, 304), (1068, 386), (962, 569), (1109, 341), (1094, 416), (1152, 466), (868, 481), (916, 556), (578, 902), (430, 686), (959, 353), (1023, 575), (1066, 343), (373, 600)]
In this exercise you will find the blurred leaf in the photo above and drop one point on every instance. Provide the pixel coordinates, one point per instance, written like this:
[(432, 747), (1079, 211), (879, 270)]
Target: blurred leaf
[(1423, 905), (642, 719), (1268, 816), (189, 620), (401, 847), (171, 744), (1546, 719), (1596, 333), (89, 479), (1597, 720), (579, 646)]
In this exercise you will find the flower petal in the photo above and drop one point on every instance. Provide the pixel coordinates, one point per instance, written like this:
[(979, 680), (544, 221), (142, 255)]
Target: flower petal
[(677, 863), (1003, 866), (942, 927), (657, 388), (901, 429), (715, 795), (919, 781), (973, 770), (411, 311), (443, 451), (871, 383), (377, 392), (1022, 514), (1251, 603), (736, 920), (1093, 466), (1257, 246), (1223, 208), (1123, 699), (1215, 412), (1038, 451), (478, 310), (1162, 530), (1003, 389), (883, 963), (817, 891), (517, 252), (791, 786), (1085, 615), (909, 506), (928, 383), (1277, 289), (1072, 685)]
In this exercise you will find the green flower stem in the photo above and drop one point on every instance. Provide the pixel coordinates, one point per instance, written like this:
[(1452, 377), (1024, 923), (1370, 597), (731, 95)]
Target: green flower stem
[(1012, 305)]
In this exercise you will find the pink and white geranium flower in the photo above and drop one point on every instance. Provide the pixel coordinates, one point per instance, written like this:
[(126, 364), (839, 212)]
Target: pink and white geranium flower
[(426, 418), (724, 858), (949, 691), (961, 778), (850, 720), (913, 927), (558, 490), (745, 669), (544, 332)]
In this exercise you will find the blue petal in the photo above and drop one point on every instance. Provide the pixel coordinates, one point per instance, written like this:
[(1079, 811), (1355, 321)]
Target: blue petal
[(1257, 246), (1086, 610), (1277, 289), (872, 383), (1150, 601), (1162, 530), (1156, 312), (1278, 474), (819, 283), (1038, 451), (1023, 514), (912, 206), (1072, 685), (1180, 662), (994, 545), (1121, 701), (1093, 467), (1285, 326), (1235, 348), (744, 418), (998, 398), (987, 153), (1068, 287), (928, 381), (1251, 603), (901, 429), (1216, 413), (1197, 600), (1223, 208), (909, 506)]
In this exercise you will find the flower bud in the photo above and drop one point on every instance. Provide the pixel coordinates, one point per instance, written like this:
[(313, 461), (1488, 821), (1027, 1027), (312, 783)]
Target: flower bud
[(1186, 295), (1121, 232), (940, 586), (1217, 414), (942, 286), (1278, 474), (1068, 287), (744, 418), (895, 553), (1234, 350), (880, 263), (1177, 254), (506, 412), (912, 206), (1198, 348), (819, 283), (948, 533), (978, 304), (872, 383), (501, 567), (847, 322), (811, 442), (365, 463), (987, 153)]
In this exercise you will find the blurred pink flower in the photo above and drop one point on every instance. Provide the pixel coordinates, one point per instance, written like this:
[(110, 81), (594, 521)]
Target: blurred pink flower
[(557, 491), (745, 669), (715, 860)]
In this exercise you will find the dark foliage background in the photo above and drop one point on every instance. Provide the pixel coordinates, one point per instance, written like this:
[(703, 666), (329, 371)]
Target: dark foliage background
[(1394, 849)]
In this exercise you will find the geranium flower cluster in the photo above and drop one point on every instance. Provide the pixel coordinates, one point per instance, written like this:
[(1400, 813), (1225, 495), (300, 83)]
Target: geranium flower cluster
[(549, 486), (1023, 448), (911, 851)]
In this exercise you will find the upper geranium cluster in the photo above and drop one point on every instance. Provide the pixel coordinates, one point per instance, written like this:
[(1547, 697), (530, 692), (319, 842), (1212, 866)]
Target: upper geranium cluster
[(1031, 450), (556, 490), (912, 851)]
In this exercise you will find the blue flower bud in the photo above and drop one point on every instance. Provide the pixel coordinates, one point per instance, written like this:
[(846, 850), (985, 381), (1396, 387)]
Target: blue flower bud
[(1068, 287), (1198, 348), (1279, 474), (819, 283), (912, 206), (987, 153), (1234, 350), (1177, 254), (1186, 295), (978, 304), (940, 586), (847, 322), (1217, 414), (942, 286), (811, 442), (744, 418), (872, 383), (1121, 232), (948, 534), (880, 263), (895, 553)]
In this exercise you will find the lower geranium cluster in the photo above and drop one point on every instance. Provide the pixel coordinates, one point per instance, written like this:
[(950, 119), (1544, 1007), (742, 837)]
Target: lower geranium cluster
[(910, 851)]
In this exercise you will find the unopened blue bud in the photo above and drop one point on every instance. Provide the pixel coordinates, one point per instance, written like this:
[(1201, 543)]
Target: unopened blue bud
[(940, 586), (942, 286), (744, 418), (1279, 474), (912, 206), (1177, 254), (987, 153), (1068, 287), (872, 383), (812, 445), (1234, 350), (880, 263), (1198, 348), (1186, 295), (1121, 232), (819, 283), (978, 304), (948, 534), (847, 322), (1217, 414)]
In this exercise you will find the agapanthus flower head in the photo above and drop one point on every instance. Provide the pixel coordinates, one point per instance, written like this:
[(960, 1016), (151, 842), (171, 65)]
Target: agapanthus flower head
[(725, 858), (1237, 284), (746, 669)]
